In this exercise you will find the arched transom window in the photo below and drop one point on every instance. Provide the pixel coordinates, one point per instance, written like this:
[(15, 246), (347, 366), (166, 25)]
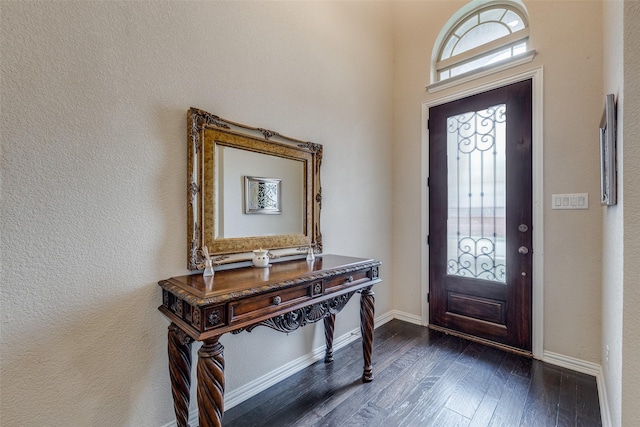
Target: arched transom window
[(481, 38)]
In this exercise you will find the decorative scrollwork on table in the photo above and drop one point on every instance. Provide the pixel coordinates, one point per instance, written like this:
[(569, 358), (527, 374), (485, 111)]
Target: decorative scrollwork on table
[(295, 319), (214, 318), (177, 307), (317, 288), (195, 317)]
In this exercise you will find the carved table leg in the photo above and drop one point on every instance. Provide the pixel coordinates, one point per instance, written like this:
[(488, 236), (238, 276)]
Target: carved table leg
[(180, 372), (210, 376), (329, 323), (366, 327)]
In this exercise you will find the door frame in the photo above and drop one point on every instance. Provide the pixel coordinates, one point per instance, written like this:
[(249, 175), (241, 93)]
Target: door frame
[(537, 301)]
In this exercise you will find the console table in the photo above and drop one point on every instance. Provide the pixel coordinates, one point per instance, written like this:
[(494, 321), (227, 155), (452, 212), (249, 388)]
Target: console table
[(284, 297)]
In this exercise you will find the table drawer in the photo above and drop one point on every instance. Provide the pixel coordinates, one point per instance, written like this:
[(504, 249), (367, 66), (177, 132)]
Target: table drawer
[(345, 280), (266, 304)]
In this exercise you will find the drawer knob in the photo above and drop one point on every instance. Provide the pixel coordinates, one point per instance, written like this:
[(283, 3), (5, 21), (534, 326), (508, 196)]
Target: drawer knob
[(277, 300), (349, 279)]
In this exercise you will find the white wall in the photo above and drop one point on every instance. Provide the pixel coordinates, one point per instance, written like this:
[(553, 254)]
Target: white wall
[(93, 121), (621, 240), (571, 54), (613, 220), (631, 179)]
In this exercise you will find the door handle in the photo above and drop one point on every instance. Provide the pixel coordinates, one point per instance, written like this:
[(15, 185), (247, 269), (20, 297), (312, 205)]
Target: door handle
[(523, 250)]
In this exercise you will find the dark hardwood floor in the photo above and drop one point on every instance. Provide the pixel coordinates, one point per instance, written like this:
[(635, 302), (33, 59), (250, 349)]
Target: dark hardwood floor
[(425, 378)]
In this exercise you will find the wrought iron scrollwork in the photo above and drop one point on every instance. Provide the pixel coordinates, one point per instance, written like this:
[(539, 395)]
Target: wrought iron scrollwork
[(476, 259), (477, 130), (474, 139)]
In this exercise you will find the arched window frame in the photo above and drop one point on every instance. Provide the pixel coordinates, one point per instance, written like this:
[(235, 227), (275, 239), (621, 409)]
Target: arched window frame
[(448, 30)]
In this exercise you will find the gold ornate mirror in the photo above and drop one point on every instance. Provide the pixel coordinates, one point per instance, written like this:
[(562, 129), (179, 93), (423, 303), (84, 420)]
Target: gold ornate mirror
[(248, 192)]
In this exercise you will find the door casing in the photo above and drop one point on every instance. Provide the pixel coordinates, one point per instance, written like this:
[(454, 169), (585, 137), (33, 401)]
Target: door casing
[(538, 197)]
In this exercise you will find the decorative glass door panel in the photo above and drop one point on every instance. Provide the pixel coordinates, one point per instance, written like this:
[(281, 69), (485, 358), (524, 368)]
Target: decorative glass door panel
[(476, 160), (480, 204)]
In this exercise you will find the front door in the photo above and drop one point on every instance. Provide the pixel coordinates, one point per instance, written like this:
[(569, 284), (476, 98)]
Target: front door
[(480, 212)]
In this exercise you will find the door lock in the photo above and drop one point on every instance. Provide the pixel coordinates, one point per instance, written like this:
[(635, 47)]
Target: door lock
[(523, 228), (523, 250)]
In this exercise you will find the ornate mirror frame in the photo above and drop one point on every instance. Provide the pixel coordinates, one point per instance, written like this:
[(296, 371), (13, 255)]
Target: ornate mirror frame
[(204, 131)]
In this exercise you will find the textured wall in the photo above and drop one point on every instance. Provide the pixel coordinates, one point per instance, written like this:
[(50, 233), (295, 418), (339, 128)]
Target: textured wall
[(613, 220), (573, 105), (631, 177), (93, 121), (621, 240), (571, 53)]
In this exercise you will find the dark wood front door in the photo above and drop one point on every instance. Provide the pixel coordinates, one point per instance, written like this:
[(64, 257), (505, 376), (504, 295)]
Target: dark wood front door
[(480, 213)]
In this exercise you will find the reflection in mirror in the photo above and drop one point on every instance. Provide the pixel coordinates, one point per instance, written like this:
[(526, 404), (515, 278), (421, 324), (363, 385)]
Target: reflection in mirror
[(262, 195), (235, 217), (224, 159)]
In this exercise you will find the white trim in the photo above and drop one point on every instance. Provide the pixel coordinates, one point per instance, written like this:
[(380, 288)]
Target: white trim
[(407, 317), (463, 13), (505, 64), (483, 50), (572, 363), (537, 297), (605, 412), (537, 311), (588, 368)]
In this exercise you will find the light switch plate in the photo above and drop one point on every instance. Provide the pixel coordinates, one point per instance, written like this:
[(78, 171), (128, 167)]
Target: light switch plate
[(570, 201)]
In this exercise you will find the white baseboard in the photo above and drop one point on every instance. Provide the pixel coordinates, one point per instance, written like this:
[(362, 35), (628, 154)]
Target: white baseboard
[(588, 368), (406, 317), (572, 363)]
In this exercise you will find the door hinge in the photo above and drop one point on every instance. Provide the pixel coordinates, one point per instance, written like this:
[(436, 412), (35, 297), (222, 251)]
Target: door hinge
[(428, 123), (428, 239), (428, 181), (428, 297)]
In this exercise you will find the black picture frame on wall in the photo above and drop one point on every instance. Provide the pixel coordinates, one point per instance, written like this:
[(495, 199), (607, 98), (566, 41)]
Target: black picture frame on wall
[(608, 175)]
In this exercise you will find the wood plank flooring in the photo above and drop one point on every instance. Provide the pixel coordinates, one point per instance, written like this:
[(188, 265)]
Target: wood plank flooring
[(425, 378)]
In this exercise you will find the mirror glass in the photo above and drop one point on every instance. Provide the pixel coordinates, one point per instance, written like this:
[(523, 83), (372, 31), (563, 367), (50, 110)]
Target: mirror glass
[(244, 181), (247, 191)]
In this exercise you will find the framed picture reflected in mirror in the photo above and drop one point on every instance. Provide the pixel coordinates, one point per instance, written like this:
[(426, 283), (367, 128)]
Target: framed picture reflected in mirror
[(262, 195)]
